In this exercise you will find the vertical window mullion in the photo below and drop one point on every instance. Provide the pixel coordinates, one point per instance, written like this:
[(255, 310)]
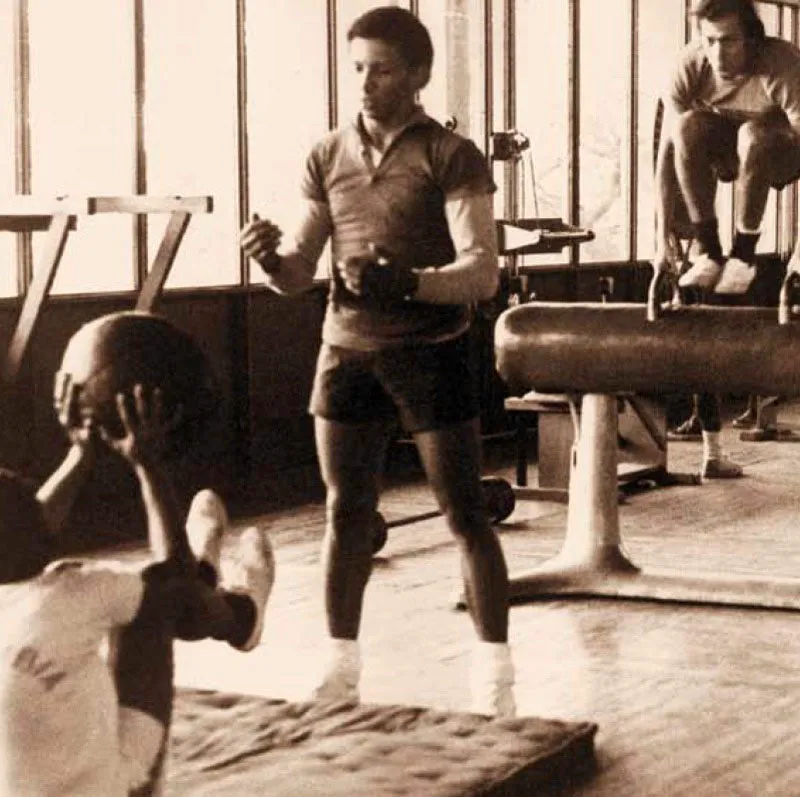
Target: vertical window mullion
[(633, 133), (139, 221), (22, 142)]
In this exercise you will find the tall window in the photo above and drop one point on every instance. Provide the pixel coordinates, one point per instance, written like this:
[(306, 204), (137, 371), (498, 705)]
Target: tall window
[(542, 112), (82, 136), (457, 88), (8, 263), (190, 131), (604, 27), (661, 36), (287, 105)]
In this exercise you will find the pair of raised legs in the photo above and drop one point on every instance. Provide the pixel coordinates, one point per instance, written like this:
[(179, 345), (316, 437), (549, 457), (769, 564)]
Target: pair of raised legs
[(231, 609), (701, 149)]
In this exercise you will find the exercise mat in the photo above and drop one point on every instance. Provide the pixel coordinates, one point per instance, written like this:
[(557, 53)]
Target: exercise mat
[(227, 744)]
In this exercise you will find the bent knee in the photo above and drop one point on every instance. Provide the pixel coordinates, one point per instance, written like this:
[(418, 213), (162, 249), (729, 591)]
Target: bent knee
[(759, 139), (693, 127)]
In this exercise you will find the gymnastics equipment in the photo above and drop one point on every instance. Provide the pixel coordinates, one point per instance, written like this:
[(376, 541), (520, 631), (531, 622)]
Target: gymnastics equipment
[(597, 351)]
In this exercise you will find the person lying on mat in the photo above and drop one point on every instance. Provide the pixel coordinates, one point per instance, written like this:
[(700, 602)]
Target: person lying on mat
[(407, 205), (78, 720)]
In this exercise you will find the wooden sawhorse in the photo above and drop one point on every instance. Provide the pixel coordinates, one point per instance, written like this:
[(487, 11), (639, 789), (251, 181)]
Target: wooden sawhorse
[(58, 217)]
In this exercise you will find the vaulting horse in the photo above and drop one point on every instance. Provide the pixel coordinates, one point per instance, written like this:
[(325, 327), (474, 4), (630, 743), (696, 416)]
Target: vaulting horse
[(599, 351)]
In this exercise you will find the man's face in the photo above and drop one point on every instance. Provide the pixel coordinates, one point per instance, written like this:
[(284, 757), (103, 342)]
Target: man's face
[(388, 85), (725, 45)]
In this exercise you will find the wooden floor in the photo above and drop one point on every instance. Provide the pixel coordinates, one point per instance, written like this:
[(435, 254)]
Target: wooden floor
[(690, 700)]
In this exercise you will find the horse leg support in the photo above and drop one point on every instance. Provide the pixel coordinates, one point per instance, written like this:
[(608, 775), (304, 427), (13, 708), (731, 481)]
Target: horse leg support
[(593, 561)]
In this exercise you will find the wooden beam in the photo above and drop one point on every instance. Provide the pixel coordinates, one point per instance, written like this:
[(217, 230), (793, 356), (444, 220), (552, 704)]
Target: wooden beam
[(152, 204), (165, 257), (36, 296), (30, 223), (29, 205)]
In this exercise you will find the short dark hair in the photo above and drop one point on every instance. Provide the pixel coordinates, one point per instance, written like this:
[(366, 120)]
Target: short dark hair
[(26, 546), (751, 23), (399, 28)]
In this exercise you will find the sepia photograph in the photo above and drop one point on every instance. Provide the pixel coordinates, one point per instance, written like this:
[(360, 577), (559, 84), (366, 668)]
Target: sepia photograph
[(399, 399)]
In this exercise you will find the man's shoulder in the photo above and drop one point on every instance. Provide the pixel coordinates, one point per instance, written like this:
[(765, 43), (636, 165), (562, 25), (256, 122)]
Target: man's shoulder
[(779, 55)]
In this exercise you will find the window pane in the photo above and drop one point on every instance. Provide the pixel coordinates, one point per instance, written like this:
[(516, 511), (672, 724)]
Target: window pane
[(191, 133), (604, 90), (81, 65), (542, 113), (497, 122), (457, 87), (661, 38), (8, 263), (284, 117), (771, 17)]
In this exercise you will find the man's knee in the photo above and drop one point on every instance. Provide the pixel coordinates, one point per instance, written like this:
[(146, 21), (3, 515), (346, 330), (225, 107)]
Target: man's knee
[(692, 129), (756, 140)]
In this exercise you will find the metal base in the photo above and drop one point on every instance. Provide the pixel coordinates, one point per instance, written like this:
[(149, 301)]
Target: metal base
[(624, 580), (592, 561), (610, 574)]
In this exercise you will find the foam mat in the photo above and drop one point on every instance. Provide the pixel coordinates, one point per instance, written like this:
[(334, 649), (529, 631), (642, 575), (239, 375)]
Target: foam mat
[(226, 744)]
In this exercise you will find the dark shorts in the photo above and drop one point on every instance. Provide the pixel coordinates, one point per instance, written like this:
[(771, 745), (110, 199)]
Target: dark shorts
[(427, 386), (785, 158)]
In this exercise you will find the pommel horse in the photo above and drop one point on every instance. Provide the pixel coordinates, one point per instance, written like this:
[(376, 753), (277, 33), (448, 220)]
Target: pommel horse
[(601, 350)]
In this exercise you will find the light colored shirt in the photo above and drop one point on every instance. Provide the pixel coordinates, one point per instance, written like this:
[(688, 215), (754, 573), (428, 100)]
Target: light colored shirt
[(771, 84), (59, 732)]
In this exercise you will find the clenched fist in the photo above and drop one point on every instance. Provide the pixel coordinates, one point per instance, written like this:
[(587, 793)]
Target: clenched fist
[(259, 239), (377, 277)]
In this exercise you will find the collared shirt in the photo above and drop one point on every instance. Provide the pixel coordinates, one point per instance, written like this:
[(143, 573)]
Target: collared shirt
[(771, 84), (397, 203)]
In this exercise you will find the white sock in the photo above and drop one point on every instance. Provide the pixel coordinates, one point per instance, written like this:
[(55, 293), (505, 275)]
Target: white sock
[(712, 445), (492, 678), (341, 671), (344, 654)]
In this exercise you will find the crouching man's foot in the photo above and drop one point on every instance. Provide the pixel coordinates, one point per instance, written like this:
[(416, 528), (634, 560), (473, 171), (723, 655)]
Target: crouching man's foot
[(704, 273), (737, 277)]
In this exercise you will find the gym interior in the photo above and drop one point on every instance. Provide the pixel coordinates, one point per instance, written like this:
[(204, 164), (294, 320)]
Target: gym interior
[(144, 134)]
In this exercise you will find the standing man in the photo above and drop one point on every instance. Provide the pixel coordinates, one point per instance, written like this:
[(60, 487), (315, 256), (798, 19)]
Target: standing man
[(732, 115), (408, 207)]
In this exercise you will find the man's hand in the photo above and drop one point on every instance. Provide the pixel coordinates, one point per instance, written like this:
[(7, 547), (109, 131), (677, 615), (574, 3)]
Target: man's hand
[(259, 239), (147, 427), (377, 277)]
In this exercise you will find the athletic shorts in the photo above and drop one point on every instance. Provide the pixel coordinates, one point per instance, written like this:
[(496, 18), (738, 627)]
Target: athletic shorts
[(726, 160), (426, 386)]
